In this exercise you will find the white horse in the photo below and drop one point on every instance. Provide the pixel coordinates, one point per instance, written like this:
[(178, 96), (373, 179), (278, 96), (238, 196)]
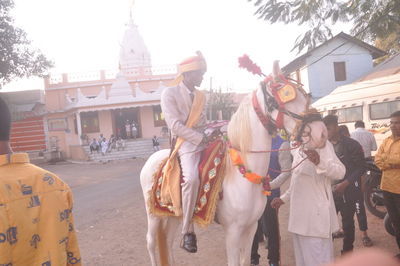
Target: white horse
[(243, 202)]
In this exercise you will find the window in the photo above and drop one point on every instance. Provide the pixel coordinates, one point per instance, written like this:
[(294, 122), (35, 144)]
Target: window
[(57, 124), (158, 116), (340, 70), (90, 122), (383, 110), (351, 114)]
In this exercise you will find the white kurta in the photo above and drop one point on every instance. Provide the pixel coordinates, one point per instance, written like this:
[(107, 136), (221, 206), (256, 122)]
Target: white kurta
[(104, 146), (312, 251), (312, 209)]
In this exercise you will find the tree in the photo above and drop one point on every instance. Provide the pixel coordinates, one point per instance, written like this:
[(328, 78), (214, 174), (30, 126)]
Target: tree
[(371, 19), (17, 57), (390, 44), (220, 102)]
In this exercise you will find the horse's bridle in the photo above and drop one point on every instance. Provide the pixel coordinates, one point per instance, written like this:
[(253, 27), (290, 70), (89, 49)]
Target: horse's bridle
[(273, 102)]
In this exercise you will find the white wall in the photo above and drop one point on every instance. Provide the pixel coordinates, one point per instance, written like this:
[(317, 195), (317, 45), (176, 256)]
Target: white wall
[(321, 75)]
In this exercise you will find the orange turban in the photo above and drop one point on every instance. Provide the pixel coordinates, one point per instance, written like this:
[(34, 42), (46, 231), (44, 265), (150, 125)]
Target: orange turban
[(190, 64)]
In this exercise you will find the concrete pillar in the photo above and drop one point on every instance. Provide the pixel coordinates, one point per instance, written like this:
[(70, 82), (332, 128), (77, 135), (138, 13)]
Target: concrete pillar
[(46, 82), (64, 78), (79, 126)]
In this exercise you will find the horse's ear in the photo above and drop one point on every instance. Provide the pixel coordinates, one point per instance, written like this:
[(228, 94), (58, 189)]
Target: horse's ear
[(276, 70)]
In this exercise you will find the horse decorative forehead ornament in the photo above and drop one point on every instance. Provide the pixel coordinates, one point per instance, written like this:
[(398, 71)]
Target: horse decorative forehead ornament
[(284, 90)]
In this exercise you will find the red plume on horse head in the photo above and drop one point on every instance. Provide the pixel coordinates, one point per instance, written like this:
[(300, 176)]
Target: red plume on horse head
[(245, 62)]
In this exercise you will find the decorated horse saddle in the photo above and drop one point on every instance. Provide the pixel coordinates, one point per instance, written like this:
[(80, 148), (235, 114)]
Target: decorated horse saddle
[(211, 172)]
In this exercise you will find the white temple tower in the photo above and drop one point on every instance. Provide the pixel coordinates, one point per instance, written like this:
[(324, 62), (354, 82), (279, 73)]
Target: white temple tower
[(133, 53)]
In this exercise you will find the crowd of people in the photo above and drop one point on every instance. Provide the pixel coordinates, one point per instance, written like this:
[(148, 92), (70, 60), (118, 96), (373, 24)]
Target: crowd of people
[(103, 145), (131, 130), (330, 182)]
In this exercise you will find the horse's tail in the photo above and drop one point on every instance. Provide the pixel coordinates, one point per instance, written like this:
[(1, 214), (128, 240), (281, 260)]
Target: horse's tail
[(162, 245)]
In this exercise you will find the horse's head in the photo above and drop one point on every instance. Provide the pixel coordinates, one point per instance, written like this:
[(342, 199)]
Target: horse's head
[(287, 107), (311, 132)]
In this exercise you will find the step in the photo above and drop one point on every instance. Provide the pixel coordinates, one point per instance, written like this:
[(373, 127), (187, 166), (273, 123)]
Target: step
[(141, 148)]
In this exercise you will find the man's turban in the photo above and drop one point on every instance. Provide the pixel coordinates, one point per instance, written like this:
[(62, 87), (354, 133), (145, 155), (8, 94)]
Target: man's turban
[(190, 64)]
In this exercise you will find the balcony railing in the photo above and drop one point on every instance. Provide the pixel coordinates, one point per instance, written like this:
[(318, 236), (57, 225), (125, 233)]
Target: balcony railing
[(137, 73)]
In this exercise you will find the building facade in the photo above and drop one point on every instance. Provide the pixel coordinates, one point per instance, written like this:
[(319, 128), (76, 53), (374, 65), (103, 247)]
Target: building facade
[(82, 106), (338, 61), (28, 129), (372, 99)]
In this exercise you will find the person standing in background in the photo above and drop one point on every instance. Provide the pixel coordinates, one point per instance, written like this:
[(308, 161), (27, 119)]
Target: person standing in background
[(128, 129), (280, 159), (347, 190), (156, 144), (365, 138), (360, 206), (134, 131), (388, 160)]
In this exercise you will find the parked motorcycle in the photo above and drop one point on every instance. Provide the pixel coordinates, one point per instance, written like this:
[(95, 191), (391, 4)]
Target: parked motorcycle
[(388, 225), (373, 195)]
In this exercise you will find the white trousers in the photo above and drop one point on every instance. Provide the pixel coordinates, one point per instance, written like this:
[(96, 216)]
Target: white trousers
[(312, 251), (190, 187)]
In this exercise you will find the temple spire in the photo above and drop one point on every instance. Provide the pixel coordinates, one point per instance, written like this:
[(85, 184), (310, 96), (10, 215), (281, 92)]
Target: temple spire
[(133, 53), (131, 11)]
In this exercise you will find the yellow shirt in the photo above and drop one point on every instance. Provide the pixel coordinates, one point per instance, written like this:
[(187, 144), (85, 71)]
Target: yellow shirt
[(36, 223), (389, 153)]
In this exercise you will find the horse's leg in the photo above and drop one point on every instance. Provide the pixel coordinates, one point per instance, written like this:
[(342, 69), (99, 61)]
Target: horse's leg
[(153, 224), (232, 239), (170, 229), (246, 243)]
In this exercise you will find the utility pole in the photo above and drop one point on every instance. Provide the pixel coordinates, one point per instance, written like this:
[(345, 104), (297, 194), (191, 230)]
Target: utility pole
[(211, 98)]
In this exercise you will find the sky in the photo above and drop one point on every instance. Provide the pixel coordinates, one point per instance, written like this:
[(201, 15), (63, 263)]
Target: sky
[(85, 35)]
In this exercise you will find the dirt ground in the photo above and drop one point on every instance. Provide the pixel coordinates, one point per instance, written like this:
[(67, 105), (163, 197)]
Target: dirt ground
[(111, 221)]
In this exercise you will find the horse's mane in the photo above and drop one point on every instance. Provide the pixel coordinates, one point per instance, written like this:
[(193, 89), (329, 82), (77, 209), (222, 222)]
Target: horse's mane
[(239, 128)]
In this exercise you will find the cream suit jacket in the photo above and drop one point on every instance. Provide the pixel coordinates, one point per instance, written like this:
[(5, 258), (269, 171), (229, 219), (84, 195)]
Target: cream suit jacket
[(176, 104)]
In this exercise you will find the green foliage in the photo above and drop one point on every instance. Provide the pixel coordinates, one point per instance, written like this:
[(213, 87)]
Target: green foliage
[(371, 19), (17, 57), (390, 44), (220, 102)]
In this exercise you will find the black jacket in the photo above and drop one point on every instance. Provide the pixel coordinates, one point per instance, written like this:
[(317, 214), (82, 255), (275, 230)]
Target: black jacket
[(351, 154)]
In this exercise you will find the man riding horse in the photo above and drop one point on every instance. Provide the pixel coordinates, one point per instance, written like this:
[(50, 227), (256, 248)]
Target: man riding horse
[(184, 112)]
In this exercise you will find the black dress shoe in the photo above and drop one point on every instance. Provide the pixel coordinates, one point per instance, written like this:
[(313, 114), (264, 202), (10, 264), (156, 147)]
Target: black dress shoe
[(189, 242)]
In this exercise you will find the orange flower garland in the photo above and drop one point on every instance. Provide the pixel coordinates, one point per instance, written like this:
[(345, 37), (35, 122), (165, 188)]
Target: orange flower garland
[(249, 175)]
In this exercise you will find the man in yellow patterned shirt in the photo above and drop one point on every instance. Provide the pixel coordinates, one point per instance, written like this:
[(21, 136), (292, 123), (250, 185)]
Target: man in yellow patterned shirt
[(36, 223), (388, 160)]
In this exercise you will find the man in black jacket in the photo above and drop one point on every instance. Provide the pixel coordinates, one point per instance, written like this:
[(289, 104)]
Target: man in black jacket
[(347, 191)]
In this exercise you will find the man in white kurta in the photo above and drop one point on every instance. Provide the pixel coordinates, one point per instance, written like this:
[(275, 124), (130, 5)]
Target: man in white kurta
[(176, 104), (312, 217)]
